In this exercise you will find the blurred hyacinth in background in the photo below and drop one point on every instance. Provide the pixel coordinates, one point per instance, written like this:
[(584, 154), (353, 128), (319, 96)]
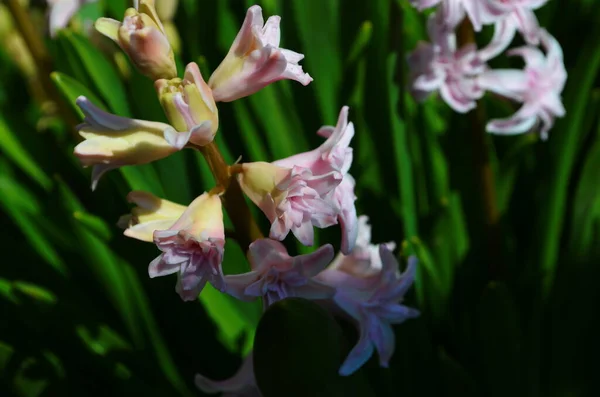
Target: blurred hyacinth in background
[(299, 197)]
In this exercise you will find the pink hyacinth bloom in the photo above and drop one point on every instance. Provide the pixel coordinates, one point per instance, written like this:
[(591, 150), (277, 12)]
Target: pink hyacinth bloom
[(479, 12), (193, 248), (335, 154), (538, 87), (439, 66), (189, 106), (293, 199), (370, 289), (275, 275), (112, 141), (255, 60), (518, 16), (242, 384)]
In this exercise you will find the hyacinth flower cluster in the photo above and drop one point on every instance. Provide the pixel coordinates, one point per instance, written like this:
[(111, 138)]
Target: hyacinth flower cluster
[(296, 194), (462, 76)]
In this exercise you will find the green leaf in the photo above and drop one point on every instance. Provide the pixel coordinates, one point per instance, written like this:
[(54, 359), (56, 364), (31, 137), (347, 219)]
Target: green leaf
[(404, 168), (100, 72), (24, 209), (71, 89), (316, 19), (104, 265), (585, 220), (34, 291), (564, 142), (13, 149)]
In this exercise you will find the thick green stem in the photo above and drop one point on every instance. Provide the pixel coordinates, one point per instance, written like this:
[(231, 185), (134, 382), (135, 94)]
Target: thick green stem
[(246, 229)]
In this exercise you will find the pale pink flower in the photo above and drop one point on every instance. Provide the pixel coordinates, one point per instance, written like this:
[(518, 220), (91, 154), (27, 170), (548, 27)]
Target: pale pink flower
[(193, 248), (370, 289), (440, 66), (113, 141), (538, 87), (242, 384), (189, 106), (518, 16), (60, 13), (335, 154), (275, 275), (479, 12), (255, 60), (293, 199)]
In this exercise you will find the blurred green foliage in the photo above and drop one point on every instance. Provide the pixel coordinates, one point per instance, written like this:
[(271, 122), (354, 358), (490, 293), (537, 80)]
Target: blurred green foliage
[(82, 317)]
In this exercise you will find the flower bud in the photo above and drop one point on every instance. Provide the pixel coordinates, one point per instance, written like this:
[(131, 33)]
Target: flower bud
[(152, 213), (142, 36), (189, 105), (112, 141)]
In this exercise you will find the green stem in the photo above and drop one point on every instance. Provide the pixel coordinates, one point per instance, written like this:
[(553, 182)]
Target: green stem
[(485, 174), (246, 229)]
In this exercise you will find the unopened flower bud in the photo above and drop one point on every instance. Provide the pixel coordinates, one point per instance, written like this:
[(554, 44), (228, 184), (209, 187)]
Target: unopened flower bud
[(112, 141), (189, 105), (142, 36), (152, 213)]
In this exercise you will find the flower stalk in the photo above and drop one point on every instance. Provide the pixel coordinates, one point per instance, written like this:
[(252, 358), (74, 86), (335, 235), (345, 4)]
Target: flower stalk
[(485, 175), (246, 229)]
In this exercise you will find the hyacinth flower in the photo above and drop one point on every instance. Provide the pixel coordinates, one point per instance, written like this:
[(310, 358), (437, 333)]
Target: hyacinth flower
[(193, 248), (370, 289), (60, 13), (255, 60), (479, 12), (335, 154), (275, 275), (242, 384), (142, 36), (293, 199), (152, 213), (440, 66), (538, 87), (189, 106), (519, 17), (113, 141)]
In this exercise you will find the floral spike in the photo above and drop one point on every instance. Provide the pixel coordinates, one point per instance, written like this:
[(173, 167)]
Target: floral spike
[(441, 66), (369, 289), (275, 275), (335, 154), (255, 60), (538, 87), (193, 248), (293, 199)]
